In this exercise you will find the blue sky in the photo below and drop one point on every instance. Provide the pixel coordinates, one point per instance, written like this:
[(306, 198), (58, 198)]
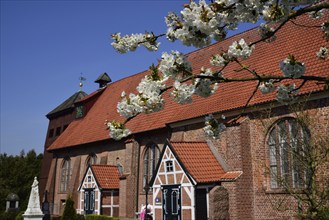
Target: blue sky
[(45, 45)]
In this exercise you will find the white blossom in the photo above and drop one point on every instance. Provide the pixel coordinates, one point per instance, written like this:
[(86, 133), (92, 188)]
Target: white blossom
[(275, 13), (267, 87), (150, 87), (117, 130), (173, 64), (316, 14), (240, 50), (285, 93), (150, 98), (204, 87), (323, 53), (182, 92), (129, 106), (147, 100), (266, 31), (219, 60), (292, 68), (212, 127), (131, 42)]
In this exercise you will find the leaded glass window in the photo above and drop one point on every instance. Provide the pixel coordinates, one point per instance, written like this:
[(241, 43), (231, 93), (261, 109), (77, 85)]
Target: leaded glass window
[(66, 173), (287, 142), (150, 160)]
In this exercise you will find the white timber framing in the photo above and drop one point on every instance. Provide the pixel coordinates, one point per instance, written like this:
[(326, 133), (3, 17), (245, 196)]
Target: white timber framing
[(89, 182), (175, 177)]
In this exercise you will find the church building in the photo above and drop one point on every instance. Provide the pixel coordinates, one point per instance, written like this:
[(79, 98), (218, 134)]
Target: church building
[(170, 164)]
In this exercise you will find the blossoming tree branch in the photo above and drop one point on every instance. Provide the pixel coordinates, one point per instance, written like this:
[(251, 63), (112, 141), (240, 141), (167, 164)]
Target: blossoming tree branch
[(198, 25)]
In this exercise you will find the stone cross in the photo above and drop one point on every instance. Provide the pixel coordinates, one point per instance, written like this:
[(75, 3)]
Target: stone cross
[(33, 211)]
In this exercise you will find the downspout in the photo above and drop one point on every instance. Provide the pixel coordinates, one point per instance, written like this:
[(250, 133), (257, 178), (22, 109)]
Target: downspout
[(54, 183), (100, 195), (137, 184)]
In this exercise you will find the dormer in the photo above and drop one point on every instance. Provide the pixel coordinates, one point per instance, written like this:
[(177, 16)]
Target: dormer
[(103, 80)]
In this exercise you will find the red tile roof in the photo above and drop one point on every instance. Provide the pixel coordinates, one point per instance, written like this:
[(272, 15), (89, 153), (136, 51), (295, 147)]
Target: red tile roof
[(201, 163), (107, 176), (301, 42)]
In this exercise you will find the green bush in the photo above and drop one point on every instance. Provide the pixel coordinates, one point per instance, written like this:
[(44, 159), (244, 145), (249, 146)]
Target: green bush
[(80, 217), (100, 217), (10, 215), (69, 210)]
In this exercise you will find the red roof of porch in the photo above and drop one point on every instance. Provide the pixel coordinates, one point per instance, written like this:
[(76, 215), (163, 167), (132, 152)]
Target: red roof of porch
[(107, 176), (200, 162)]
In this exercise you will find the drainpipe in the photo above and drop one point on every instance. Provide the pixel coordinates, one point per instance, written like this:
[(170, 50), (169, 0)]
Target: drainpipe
[(54, 184), (138, 168)]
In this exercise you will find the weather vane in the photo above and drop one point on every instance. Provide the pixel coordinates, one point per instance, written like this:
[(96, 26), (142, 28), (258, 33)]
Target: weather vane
[(81, 78)]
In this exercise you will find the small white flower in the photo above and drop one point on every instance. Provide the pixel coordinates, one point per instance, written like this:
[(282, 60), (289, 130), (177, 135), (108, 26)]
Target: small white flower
[(323, 53), (204, 87), (171, 65), (267, 87), (292, 68), (182, 92), (240, 50), (265, 31), (285, 93), (212, 127), (219, 60), (316, 14), (131, 42), (117, 130)]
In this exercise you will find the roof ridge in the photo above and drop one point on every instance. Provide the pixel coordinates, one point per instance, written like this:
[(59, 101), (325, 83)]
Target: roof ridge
[(104, 165)]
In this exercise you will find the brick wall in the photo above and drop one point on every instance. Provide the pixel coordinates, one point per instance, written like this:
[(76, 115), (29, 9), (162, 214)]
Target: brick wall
[(242, 147)]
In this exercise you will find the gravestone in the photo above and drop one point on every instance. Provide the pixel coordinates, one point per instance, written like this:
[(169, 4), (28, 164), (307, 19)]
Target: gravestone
[(33, 211)]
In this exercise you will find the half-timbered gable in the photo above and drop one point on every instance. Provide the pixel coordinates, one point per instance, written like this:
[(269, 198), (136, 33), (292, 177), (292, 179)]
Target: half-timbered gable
[(99, 191), (186, 172)]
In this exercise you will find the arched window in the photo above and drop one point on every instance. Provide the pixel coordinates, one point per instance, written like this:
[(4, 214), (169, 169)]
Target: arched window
[(66, 173), (151, 157), (91, 159), (288, 143)]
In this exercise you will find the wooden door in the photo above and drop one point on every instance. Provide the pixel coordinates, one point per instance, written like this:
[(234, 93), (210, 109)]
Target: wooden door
[(89, 201), (171, 207)]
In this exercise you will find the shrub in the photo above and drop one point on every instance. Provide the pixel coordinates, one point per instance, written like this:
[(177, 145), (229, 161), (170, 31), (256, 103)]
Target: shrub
[(69, 210), (10, 215), (80, 217), (100, 217)]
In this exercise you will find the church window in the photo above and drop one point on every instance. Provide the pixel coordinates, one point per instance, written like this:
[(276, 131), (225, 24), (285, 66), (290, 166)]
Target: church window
[(58, 131), (288, 141), (51, 133), (92, 159), (66, 173), (151, 157)]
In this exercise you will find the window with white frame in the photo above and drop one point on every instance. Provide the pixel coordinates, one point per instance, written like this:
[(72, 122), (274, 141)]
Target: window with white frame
[(288, 143), (169, 166), (150, 160), (66, 173)]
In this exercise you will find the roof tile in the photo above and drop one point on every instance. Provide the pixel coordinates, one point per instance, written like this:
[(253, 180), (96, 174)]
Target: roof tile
[(200, 162), (107, 176)]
